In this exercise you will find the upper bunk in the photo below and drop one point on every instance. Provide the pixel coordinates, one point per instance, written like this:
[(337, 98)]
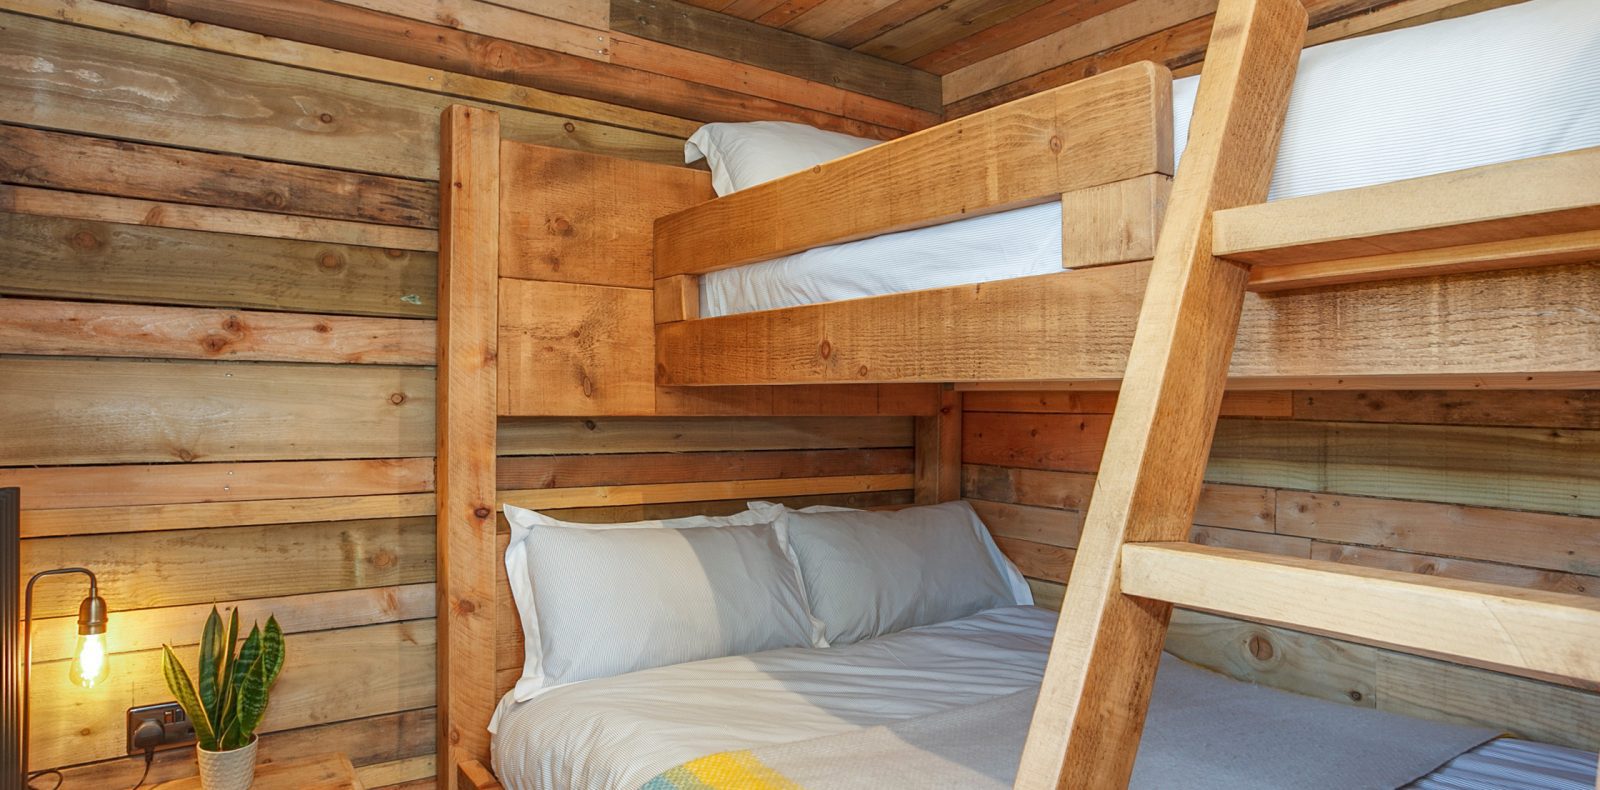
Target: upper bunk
[(1466, 277)]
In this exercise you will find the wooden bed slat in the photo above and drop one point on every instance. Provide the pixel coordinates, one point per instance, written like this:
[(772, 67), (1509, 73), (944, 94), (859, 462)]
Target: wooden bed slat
[(1111, 127), (1535, 633)]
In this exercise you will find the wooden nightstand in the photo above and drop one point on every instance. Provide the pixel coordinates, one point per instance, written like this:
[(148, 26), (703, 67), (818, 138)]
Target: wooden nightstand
[(328, 772)]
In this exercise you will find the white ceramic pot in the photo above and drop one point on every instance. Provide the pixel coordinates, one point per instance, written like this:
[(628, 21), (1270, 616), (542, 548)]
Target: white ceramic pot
[(230, 770)]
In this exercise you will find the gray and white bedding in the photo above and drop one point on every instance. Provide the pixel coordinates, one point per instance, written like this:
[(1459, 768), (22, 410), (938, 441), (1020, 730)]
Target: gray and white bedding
[(1501, 85), (948, 705)]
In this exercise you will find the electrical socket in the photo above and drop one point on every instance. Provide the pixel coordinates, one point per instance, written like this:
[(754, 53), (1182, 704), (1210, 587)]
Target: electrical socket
[(152, 726)]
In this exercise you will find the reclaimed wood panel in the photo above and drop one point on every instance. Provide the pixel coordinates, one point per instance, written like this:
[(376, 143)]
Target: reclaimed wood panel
[(245, 562), (67, 258), (568, 349), (1455, 568), (1232, 506), (54, 160), (47, 488), (1550, 408), (607, 496), (319, 680), (365, 741), (77, 411), (734, 39), (54, 328), (570, 471), (154, 518), (230, 105), (575, 217), (1568, 544), (559, 436), (1438, 690), (1234, 404), (1279, 658)]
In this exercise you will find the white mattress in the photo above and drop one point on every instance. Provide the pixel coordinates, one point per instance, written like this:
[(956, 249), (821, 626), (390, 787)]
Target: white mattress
[(619, 732), (1492, 87)]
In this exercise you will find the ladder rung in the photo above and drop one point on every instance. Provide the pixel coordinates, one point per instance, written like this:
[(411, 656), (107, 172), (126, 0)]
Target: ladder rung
[(1536, 633), (1536, 211)]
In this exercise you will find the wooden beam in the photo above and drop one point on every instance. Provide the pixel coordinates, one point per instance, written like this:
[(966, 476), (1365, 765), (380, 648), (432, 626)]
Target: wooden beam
[(75, 163), (469, 260), (1113, 127), (1096, 688), (677, 298), (657, 493), (1113, 223), (1534, 328), (740, 41), (46, 327), (1533, 633), (938, 452), (1503, 209)]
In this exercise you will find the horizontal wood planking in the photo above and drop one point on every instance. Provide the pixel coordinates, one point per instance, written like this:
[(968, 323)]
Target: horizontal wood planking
[(52, 328), (67, 258), (1038, 560), (1232, 506), (1276, 657), (1017, 31), (399, 773), (746, 42), (1172, 42), (129, 211), (1569, 544), (569, 471), (1550, 409), (1504, 467), (64, 487), (1455, 568), (1438, 690), (562, 436), (216, 38), (1531, 328), (1518, 468), (572, 349), (1111, 128), (293, 115), (842, 400), (76, 411), (246, 562), (476, 65), (1234, 404), (55, 160), (154, 518), (605, 496), (374, 739), (319, 681), (148, 629)]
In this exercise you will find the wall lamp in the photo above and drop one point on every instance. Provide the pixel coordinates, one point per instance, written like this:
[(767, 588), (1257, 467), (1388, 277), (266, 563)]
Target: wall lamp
[(90, 664)]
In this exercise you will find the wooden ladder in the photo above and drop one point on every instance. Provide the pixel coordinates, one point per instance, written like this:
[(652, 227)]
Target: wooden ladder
[(1133, 562)]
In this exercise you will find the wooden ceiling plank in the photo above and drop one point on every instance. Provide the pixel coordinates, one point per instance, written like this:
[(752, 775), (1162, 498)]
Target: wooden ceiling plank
[(1014, 32), (946, 24)]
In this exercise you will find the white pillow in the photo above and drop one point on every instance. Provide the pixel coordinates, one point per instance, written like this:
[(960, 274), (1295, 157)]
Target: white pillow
[(870, 573), (742, 155), (603, 599)]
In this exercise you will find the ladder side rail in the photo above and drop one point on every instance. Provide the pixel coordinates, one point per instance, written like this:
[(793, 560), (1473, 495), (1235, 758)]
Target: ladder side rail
[(1086, 726)]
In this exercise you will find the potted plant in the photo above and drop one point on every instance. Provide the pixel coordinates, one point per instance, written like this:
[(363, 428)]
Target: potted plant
[(231, 697)]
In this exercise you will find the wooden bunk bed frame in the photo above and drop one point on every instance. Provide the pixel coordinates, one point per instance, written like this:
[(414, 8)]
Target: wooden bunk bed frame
[(1483, 278)]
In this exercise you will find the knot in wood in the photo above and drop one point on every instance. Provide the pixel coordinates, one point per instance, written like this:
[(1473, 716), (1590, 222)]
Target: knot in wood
[(326, 117), (1055, 144), (397, 398), (560, 226), (569, 126), (86, 240), (481, 512), (1261, 647), (330, 261), (825, 349)]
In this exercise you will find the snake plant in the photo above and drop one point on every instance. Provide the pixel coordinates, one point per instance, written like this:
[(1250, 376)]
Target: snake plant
[(233, 687)]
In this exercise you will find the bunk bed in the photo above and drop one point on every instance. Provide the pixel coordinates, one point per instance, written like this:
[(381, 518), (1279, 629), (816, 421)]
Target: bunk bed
[(1176, 289)]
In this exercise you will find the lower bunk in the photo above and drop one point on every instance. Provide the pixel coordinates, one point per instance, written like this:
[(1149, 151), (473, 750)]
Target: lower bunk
[(948, 705)]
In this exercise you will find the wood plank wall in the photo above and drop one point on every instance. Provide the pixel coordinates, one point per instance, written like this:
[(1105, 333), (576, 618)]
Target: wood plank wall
[(217, 290), (1170, 32), (1494, 486)]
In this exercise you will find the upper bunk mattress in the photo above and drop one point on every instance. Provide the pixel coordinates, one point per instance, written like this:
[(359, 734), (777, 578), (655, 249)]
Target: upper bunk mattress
[(1496, 86), (930, 687)]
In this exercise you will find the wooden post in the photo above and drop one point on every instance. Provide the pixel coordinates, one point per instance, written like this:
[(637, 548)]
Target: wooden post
[(938, 452), (1086, 727), (469, 235)]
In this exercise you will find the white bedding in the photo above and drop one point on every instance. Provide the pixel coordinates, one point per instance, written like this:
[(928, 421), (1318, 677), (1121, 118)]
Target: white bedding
[(620, 732), (1491, 87)]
